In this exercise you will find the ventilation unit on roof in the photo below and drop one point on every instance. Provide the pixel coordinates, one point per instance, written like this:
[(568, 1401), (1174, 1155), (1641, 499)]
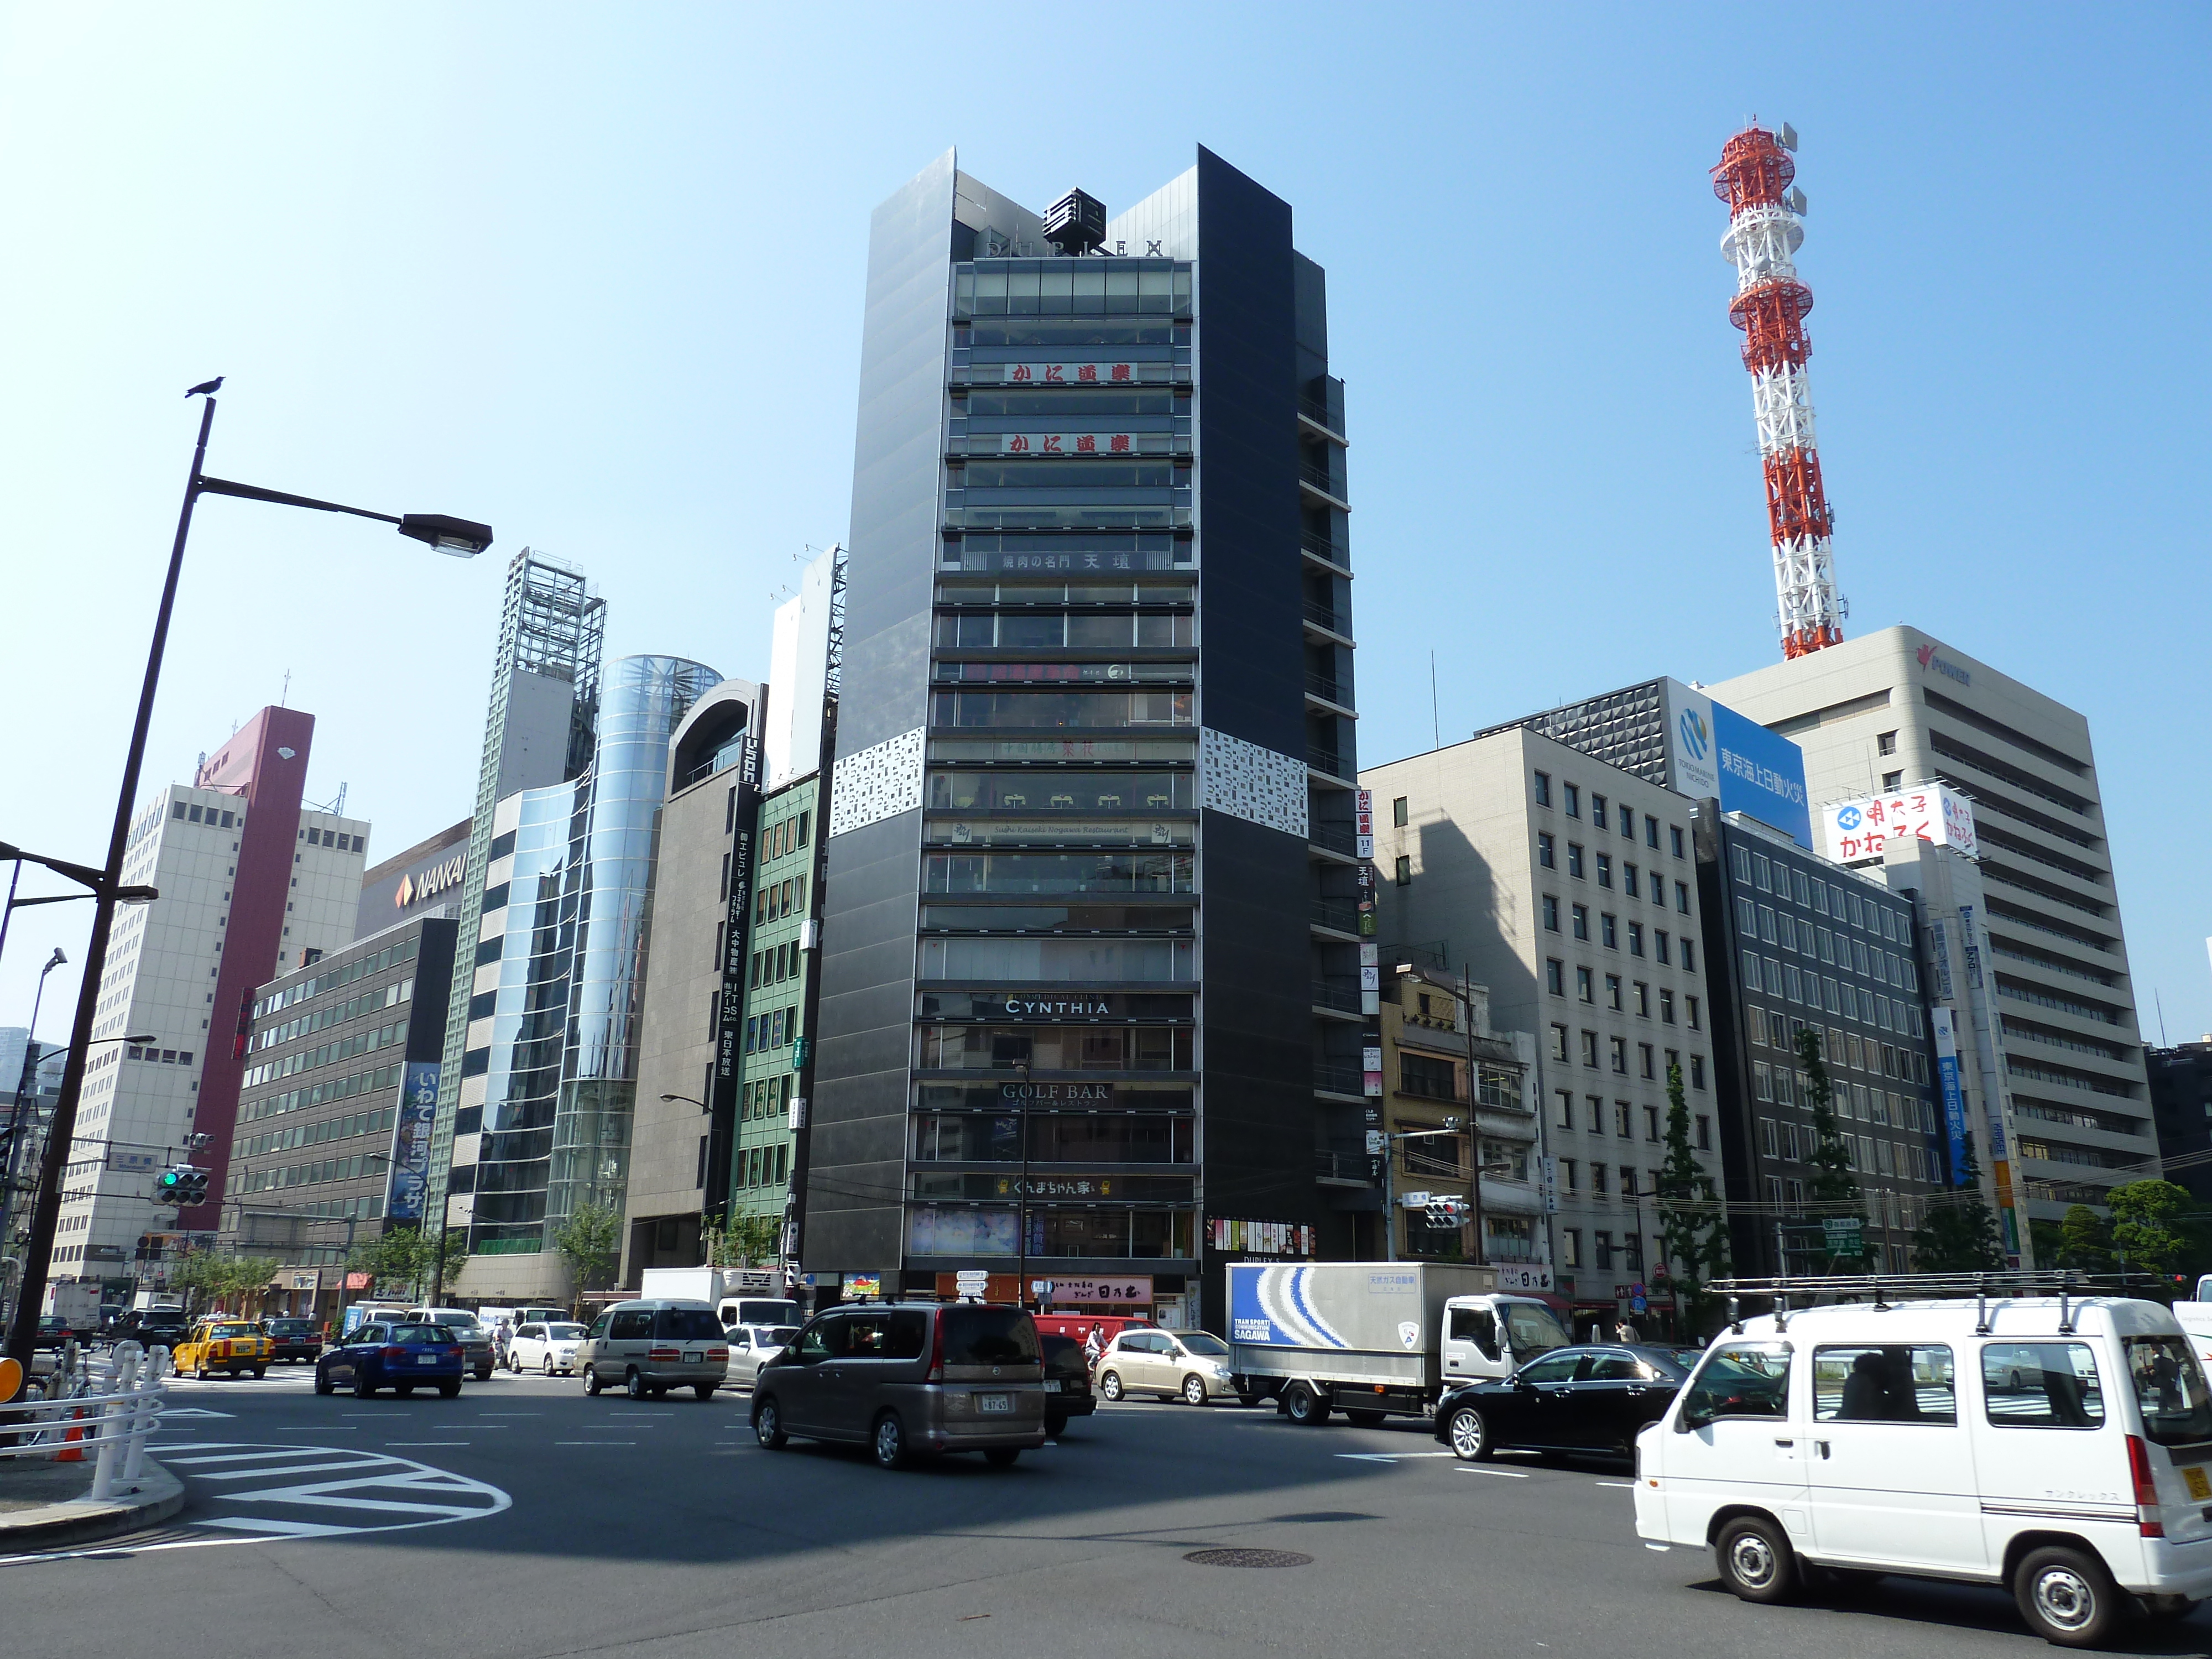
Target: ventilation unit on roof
[(1076, 223)]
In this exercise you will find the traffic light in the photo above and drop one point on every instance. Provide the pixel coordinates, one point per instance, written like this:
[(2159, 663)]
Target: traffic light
[(1448, 1212), (182, 1185)]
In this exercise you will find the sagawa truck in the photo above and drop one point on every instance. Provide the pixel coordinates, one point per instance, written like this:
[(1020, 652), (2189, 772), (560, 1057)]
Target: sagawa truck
[(1374, 1339)]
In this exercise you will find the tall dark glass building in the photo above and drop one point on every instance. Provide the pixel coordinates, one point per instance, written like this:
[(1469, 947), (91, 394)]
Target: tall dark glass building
[(1091, 954)]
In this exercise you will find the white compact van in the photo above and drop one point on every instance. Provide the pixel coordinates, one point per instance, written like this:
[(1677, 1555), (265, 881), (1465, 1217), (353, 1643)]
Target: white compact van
[(2060, 1447)]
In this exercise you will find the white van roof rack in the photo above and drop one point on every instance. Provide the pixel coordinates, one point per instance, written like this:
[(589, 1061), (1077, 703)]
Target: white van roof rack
[(1878, 1288)]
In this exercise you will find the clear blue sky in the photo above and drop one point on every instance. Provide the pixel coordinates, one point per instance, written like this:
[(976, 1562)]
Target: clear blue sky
[(594, 275)]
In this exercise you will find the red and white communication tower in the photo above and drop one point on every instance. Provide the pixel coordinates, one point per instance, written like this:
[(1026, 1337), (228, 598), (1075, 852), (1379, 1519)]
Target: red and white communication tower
[(1765, 211)]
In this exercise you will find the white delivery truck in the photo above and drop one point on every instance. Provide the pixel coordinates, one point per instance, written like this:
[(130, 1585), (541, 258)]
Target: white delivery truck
[(77, 1301), (1374, 1339), (739, 1296)]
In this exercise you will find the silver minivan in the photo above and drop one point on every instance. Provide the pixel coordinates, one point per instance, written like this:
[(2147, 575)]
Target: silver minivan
[(645, 1348), (908, 1379)]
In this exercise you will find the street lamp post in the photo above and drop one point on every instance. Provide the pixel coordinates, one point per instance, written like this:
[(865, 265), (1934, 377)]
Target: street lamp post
[(456, 535)]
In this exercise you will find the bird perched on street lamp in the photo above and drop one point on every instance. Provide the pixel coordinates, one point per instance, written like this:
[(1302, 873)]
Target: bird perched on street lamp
[(210, 387)]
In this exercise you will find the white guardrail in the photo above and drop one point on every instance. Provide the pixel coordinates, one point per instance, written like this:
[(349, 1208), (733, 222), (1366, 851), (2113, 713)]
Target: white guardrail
[(102, 1407)]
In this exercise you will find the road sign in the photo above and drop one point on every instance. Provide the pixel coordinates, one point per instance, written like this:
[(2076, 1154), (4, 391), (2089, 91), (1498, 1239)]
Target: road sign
[(1842, 1235)]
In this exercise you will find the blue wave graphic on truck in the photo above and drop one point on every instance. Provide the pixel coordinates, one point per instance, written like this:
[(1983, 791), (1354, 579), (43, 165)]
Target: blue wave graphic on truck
[(1273, 1306)]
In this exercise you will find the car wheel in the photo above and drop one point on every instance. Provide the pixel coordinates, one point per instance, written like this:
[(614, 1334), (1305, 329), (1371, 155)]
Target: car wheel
[(1467, 1433), (1305, 1407), (1755, 1559), (1109, 1386), (703, 1392), (887, 1441), (1002, 1457), (362, 1387), (449, 1391), (1055, 1425), (1194, 1390), (549, 1366), (2067, 1597), (483, 1373), (768, 1423), (261, 1370), (590, 1380), (1365, 1419), (634, 1384), (323, 1384)]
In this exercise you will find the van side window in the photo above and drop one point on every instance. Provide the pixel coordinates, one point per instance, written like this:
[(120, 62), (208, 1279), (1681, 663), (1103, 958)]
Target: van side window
[(821, 1340), (632, 1325), (2042, 1385), (1738, 1379), (599, 1327), (1894, 1383), (1475, 1325), (908, 1331)]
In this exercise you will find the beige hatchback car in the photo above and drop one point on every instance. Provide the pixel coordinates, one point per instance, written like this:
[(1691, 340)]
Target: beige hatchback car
[(645, 1348), (1192, 1366)]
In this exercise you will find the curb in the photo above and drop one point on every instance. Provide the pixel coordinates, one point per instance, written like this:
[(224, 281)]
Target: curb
[(158, 1495)]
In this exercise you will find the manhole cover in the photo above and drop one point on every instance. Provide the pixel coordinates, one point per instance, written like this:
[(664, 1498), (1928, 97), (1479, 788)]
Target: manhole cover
[(1249, 1558)]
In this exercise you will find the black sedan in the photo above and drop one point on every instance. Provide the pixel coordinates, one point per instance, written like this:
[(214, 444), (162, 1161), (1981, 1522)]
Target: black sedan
[(1591, 1400), (292, 1339), (1066, 1382)]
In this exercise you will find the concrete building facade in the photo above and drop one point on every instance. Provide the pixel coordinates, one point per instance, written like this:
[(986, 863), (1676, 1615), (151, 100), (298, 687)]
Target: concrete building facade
[(1875, 714), (1570, 888)]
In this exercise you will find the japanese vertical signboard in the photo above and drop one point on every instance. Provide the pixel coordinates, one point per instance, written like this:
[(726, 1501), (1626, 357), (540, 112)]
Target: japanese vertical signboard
[(1954, 1096), (410, 1141), (1363, 825)]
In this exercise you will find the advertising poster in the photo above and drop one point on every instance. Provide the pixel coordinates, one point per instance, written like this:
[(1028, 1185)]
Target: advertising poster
[(410, 1141), (1955, 1097)]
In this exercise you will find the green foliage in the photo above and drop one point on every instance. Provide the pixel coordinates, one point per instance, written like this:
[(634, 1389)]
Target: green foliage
[(209, 1277), (748, 1241), (1960, 1235), (397, 1261), (590, 1242), (1835, 1189), (2085, 1241), (2148, 1233), (1693, 1220)]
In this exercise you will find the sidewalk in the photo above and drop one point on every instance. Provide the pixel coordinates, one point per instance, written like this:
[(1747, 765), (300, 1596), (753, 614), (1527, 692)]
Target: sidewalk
[(45, 1505)]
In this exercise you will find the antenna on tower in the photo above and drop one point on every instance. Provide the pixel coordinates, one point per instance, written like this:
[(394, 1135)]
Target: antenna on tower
[(1754, 177), (336, 808)]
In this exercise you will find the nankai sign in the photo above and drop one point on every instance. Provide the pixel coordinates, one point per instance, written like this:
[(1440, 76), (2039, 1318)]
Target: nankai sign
[(436, 878)]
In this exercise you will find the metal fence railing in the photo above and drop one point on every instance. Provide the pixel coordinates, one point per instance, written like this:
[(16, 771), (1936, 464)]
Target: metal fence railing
[(104, 1407)]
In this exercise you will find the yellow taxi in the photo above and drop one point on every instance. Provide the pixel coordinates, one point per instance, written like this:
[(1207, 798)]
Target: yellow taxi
[(223, 1345)]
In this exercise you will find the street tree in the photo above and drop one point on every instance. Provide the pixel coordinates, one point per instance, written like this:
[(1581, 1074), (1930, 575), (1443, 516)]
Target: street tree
[(1693, 1222), (1834, 1189), (748, 1241), (398, 1263), (590, 1242), (2147, 1230), (1960, 1234), (2085, 1241)]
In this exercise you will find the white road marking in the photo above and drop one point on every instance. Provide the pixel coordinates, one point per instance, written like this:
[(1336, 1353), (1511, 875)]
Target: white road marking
[(595, 1442), (1624, 1486), (1509, 1475), (426, 1443), (380, 1492), (192, 1411), (1391, 1458)]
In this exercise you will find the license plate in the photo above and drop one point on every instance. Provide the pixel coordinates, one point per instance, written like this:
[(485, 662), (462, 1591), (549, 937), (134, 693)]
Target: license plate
[(2200, 1488), (691, 1358), (426, 1360), (1052, 1385), (994, 1402)]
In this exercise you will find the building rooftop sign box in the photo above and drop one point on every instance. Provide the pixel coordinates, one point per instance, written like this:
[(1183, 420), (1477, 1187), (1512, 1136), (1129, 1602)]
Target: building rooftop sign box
[(1713, 752), (1855, 832)]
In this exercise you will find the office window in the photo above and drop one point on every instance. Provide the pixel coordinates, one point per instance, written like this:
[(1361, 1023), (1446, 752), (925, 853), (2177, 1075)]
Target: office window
[(1674, 834), (1765, 929), (1611, 928), (1666, 1004), (1605, 869), (1643, 1000), (1659, 946), (1558, 1043), (1598, 1182), (1644, 1061), (1682, 897), (1636, 939), (1573, 795), (1568, 1174), (1596, 1114), (1566, 1107), (1582, 921), (1619, 1048), (1628, 880), (1802, 887), (1604, 1250), (1546, 850), (1622, 1114), (1402, 871), (1696, 1071), (1885, 743), (1769, 1139), (1398, 813), (1584, 985), (1543, 788), (1613, 992), (1628, 1190), (1600, 812), (1589, 1049), (1705, 1134), (1689, 956), (1555, 977), (1690, 1013), (1892, 781), (1747, 916), (1575, 859), (1627, 821), (1571, 1247), (1550, 914)]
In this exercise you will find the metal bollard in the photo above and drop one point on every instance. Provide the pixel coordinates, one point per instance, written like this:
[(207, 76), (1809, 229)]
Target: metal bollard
[(146, 1406), (117, 1416)]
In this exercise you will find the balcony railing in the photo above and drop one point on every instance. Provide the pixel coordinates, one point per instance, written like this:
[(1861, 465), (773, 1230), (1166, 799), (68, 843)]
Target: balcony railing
[(1322, 547), (1340, 1080), (1337, 837), (1326, 760), (1317, 410), (1321, 479), (1339, 993), (1343, 1166), (1343, 914), (1328, 689), (1325, 616)]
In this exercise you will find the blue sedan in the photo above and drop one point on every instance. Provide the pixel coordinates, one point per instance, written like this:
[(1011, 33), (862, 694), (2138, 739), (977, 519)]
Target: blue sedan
[(404, 1357)]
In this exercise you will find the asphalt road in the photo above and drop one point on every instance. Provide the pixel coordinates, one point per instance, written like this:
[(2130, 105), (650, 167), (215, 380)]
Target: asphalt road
[(524, 1519)]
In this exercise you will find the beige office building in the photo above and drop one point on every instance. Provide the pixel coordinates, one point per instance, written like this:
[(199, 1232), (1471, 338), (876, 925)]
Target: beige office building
[(1899, 706), (1570, 889)]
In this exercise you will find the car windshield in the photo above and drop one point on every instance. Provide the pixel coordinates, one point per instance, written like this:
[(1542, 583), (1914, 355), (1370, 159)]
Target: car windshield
[(565, 1332), (290, 1326), (236, 1330), (1533, 1328), (1741, 1379), (2170, 1389), (1203, 1342), (988, 1336), (438, 1333)]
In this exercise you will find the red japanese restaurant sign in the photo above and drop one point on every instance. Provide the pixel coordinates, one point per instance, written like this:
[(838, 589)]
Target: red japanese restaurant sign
[(1067, 443), (1858, 830), (1077, 373)]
